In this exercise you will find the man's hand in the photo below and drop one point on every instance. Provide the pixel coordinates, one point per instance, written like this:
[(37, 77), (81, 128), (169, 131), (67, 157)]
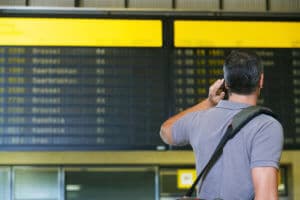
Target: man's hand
[(213, 96)]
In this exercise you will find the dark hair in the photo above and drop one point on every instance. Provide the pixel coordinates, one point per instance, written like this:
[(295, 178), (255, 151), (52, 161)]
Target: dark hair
[(242, 70)]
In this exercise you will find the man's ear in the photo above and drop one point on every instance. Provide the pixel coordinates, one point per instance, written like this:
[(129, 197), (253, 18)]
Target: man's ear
[(261, 81)]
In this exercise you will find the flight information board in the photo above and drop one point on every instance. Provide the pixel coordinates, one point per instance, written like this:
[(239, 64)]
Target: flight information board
[(67, 84), (82, 84), (278, 45), (61, 97)]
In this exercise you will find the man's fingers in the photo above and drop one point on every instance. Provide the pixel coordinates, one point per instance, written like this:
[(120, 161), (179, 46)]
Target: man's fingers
[(218, 83), (214, 96), (214, 87), (221, 96)]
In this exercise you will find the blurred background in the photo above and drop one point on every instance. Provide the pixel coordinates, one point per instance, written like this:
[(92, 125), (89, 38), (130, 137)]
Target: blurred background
[(86, 84)]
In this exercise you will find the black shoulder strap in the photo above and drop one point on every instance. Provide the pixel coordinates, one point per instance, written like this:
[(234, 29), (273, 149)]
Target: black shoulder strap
[(246, 115), (238, 121)]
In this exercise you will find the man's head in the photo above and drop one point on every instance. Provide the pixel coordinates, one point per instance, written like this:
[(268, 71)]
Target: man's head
[(243, 72)]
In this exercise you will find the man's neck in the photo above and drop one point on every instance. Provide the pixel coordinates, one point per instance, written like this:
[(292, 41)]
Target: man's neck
[(250, 99)]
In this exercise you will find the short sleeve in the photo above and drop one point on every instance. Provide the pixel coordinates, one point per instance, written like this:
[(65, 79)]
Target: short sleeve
[(180, 130), (267, 145)]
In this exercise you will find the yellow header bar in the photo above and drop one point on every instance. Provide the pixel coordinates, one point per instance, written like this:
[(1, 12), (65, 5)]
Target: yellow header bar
[(237, 34), (80, 32)]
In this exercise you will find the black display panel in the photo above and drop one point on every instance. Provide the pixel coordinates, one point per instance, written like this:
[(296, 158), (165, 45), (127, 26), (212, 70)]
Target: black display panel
[(82, 98)]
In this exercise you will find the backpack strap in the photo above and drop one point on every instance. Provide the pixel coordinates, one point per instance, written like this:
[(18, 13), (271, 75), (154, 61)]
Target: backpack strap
[(238, 122)]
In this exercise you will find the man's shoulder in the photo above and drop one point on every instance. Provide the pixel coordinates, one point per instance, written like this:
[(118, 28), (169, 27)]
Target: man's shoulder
[(266, 119), (264, 125)]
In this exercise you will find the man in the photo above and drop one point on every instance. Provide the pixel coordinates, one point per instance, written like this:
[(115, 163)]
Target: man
[(248, 167)]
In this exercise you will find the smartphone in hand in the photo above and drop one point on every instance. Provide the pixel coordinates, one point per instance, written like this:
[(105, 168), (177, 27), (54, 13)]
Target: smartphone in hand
[(223, 89)]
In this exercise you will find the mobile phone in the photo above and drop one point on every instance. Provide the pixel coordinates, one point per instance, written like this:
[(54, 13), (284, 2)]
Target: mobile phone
[(223, 89)]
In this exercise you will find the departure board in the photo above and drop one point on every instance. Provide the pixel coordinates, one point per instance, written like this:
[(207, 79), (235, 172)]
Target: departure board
[(108, 84), (195, 69), (81, 84), (91, 97)]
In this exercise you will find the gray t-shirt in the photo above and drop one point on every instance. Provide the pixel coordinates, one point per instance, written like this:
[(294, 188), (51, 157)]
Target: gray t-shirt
[(258, 144)]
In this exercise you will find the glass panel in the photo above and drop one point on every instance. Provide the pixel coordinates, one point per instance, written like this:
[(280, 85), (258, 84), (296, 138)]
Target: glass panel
[(4, 183), (110, 184), (36, 184)]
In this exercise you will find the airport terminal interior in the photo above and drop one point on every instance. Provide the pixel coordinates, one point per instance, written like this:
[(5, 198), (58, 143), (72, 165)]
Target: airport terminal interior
[(86, 84)]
